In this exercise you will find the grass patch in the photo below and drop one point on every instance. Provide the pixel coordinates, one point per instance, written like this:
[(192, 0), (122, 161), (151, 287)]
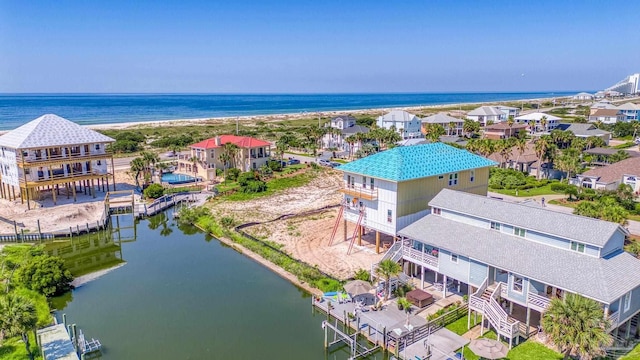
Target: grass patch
[(460, 326), (273, 186), (528, 350), (13, 349), (543, 190), (633, 354)]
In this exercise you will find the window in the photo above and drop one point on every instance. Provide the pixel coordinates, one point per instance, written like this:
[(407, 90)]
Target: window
[(517, 284), (627, 301), (454, 258), (254, 166), (436, 211), (371, 182), (388, 216), (576, 246), (495, 226), (453, 179), (472, 175), (364, 182), (519, 232), (99, 162), (97, 146), (440, 177)]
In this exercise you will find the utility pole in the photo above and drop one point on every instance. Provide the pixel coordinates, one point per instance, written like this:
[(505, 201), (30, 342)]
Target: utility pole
[(237, 124)]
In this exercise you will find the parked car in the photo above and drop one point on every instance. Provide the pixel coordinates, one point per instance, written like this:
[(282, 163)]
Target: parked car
[(334, 164), (293, 161), (324, 162)]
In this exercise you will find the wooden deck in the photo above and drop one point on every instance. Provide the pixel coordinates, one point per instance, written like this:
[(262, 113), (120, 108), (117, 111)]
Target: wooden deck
[(56, 343)]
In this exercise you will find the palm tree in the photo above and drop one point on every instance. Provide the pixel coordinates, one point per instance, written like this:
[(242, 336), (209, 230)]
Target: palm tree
[(532, 126), (387, 269), (543, 123), (541, 146), (504, 147), (351, 140), (228, 155), (18, 317), (137, 167), (451, 128), (433, 132), (521, 146), (576, 325), (406, 306), (470, 127)]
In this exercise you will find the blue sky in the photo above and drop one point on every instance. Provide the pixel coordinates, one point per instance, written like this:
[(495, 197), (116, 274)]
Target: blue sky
[(316, 46)]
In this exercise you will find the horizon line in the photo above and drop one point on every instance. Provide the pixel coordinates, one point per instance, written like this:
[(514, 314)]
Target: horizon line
[(296, 93)]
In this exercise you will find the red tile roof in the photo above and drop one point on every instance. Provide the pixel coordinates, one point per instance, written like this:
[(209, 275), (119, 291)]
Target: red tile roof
[(240, 141)]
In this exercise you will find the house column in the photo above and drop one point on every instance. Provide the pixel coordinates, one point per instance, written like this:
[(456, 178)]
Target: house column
[(113, 174), (377, 242), (444, 286), (528, 320), (628, 330), (422, 277), (511, 307)]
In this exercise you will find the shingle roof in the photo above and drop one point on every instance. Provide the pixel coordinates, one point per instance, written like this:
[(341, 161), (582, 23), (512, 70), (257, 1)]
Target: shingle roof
[(605, 280), (504, 126), (240, 141), (614, 172), (441, 118), (537, 116), (51, 130), (629, 106), (582, 129), (568, 226), (486, 110), (606, 112), (396, 115), (415, 162), (355, 129)]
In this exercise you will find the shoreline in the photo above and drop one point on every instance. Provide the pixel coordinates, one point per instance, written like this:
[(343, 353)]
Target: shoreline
[(290, 116)]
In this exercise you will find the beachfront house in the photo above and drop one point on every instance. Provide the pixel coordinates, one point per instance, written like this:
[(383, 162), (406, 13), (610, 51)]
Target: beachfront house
[(207, 156), (607, 116), (583, 96), (630, 111), (509, 111), (541, 121), (487, 115), (337, 139), (585, 131), (406, 124), (50, 154), (452, 125), (387, 191), (513, 258), (609, 177)]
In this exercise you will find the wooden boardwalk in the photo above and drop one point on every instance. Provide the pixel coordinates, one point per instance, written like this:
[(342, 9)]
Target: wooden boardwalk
[(56, 343)]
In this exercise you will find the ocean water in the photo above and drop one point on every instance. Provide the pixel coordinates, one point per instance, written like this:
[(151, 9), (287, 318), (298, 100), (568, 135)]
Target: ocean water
[(89, 109)]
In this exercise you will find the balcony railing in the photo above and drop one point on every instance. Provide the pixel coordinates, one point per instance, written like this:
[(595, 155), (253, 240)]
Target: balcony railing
[(614, 319), (32, 178), (538, 302), (420, 256), (33, 160), (359, 192)]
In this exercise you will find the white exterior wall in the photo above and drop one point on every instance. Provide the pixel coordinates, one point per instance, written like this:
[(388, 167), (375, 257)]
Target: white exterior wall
[(633, 181), (376, 210), (9, 166), (410, 129)]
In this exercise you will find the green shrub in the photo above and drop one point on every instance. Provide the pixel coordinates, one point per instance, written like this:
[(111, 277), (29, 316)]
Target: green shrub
[(45, 274), (232, 174), (327, 284), (558, 187), (124, 146), (153, 191), (254, 186), (363, 275), (227, 221), (274, 165)]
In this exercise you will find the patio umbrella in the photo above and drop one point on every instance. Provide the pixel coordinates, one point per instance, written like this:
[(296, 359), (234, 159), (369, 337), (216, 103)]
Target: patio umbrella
[(488, 349), (357, 287)]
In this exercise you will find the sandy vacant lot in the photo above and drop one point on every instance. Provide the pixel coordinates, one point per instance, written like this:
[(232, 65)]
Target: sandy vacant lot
[(305, 238)]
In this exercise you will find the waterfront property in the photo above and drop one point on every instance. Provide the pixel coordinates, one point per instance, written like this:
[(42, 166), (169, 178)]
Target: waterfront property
[(513, 258), (610, 176), (583, 96), (487, 115), (607, 116), (540, 121), (503, 130), (347, 127), (585, 131), (50, 153), (406, 124), (204, 157), (387, 191), (452, 125), (627, 86), (509, 111)]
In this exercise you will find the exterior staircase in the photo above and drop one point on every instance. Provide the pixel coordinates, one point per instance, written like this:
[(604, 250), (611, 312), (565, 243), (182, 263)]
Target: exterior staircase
[(484, 301)]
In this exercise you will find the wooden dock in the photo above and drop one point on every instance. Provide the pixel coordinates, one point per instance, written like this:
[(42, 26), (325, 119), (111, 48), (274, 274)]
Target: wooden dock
[(56, 343)]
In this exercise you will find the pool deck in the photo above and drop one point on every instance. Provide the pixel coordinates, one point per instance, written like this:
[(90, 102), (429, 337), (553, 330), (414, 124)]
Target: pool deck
[(56, 344)]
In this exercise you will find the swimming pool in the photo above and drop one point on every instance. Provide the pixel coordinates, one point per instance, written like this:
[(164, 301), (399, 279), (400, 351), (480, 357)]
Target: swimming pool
[(174, 179)]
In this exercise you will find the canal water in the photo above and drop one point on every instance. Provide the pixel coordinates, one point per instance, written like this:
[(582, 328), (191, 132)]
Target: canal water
[(177, 293)]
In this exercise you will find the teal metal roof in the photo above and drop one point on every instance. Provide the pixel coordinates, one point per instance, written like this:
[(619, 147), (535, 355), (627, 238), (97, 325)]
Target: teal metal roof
[(414, 162)]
